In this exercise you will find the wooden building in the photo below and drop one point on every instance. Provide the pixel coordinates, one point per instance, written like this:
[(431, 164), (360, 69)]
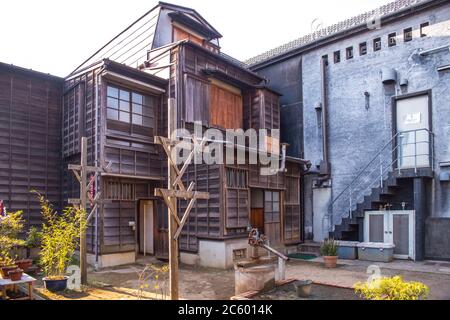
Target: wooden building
[(118, 100), (30, 140)]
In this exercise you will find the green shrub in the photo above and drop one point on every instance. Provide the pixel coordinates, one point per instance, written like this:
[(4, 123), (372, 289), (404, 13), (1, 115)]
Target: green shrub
[(329, 248), (59, 237), (10, 227), (392, 289), (33, 238)]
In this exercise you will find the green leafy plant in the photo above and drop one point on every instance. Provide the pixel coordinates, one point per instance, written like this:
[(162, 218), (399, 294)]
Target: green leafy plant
[(59, 238), (33, 238), (10, 228), (394, 288), (329, 248)]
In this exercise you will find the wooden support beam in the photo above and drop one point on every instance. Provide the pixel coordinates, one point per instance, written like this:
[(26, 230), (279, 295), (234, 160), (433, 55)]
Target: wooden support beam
[(189, 159), (185, 217), (83, 201), (172, 173), (170, 205)]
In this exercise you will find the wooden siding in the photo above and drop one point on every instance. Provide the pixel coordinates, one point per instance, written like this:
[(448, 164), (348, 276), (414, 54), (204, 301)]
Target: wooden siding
[(78, 120), (256, 180), (180, 34), (225, 108), (205, 218), (197, 97), (261, 110), (131, 151), (30, 141)]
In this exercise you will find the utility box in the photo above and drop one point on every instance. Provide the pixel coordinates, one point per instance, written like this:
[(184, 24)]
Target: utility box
[(348, 250), (376, 251)]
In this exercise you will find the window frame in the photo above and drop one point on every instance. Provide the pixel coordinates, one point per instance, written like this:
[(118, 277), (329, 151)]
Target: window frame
[(361, 46), (349, 53), (151, 106), (422, 27), (377, 44), (392, 36), (408, 34), (337, 56)]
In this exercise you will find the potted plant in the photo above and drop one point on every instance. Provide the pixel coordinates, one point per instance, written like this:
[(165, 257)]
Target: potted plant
[(329, 251), (59, 239), (10, 226), (33, 243), (15, 274)]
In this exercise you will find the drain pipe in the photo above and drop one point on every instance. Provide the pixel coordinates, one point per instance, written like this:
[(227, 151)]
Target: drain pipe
[(97, 163), (325, 164)]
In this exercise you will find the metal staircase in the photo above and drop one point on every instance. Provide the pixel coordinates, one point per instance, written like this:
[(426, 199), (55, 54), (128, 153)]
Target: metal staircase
[(408, 153)]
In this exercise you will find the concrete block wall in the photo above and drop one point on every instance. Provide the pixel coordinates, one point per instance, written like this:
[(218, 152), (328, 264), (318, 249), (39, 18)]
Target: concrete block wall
[(356, 134)]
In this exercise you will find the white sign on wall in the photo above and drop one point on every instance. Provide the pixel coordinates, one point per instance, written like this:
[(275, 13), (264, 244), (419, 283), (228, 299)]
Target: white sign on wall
[(413, 118)]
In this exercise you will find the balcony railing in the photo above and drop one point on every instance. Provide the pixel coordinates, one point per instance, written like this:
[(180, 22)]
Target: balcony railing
[(407, 150)]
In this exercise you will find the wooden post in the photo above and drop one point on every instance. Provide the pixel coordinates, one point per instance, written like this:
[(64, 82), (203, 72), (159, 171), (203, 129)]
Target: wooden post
[(83, 202), (173, 225)]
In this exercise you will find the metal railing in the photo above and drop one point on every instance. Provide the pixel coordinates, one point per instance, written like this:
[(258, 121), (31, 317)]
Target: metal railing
[(405, 150)]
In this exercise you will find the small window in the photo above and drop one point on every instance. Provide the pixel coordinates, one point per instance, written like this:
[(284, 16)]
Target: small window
[(236, 178), (407, 35), (363, 48), (337, 57), (424, 29), (392, 39), (116, 190), (349, 53), (325, 59), (377, 44)]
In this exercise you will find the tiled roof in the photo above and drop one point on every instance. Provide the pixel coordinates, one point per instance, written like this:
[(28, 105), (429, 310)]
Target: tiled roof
[(333, 29)]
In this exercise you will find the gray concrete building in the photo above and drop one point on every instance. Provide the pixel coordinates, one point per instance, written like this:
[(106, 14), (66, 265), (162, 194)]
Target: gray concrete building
[(368, 102)]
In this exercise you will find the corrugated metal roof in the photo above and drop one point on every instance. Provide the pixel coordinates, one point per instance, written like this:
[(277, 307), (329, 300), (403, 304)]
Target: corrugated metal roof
[(333, 29)]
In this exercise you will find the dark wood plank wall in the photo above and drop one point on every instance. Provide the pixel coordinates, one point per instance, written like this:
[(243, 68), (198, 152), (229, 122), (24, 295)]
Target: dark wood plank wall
[(260, 111), (78, 121), (205, 218), (195, 87), (30, 141), (131, 150), (236, 200)]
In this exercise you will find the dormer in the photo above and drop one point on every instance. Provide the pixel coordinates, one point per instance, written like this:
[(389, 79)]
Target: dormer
[(181, 23)]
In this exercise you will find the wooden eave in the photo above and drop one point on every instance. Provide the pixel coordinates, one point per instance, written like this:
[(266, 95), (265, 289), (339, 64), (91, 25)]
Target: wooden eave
[(201, 29), (30, 72)]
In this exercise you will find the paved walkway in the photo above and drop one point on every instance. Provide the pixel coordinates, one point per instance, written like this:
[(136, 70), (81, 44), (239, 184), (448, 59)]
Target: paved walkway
[(433, 274), (206, 284)]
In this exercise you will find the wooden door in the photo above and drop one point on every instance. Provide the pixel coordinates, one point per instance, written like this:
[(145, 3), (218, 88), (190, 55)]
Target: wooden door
[(161, 233), (257, 218), (272, 217), (146, 228)]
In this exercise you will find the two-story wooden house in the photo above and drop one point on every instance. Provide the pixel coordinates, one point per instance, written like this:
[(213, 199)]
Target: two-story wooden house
[(118, 100)]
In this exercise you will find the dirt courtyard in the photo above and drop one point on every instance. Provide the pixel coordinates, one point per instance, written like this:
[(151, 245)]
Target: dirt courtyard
[(122, 283)]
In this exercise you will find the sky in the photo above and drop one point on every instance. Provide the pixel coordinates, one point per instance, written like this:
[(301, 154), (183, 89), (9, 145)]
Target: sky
[(55, 36)]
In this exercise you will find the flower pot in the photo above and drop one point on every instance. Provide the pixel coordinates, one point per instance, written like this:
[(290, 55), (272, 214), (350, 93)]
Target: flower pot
[(55, 285), (24, 264), (330, 261), (4, 271), (303, 288), (16, 274)]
